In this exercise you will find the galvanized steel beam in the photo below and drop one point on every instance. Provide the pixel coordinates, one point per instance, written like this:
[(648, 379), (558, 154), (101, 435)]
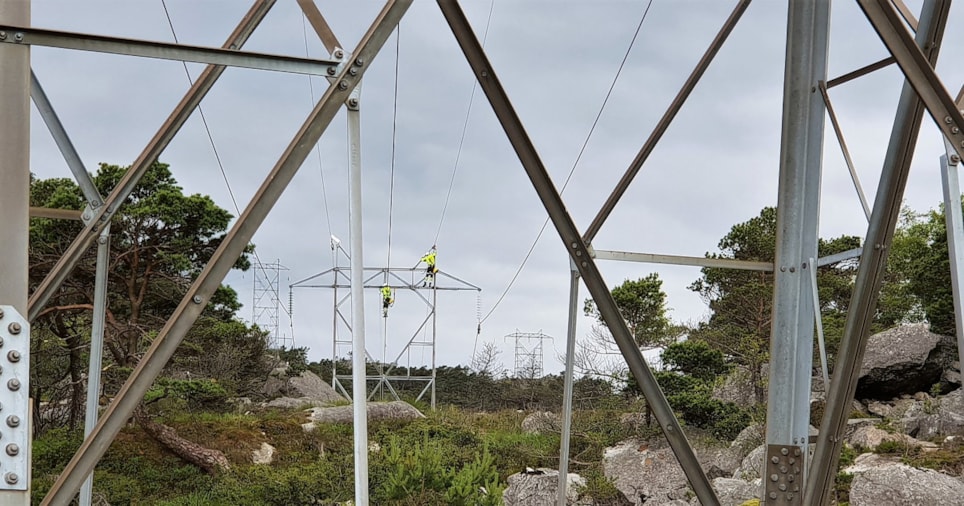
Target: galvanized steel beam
[(102, 215), (561, 492), (653, 258), (873, 263), (321, 26), (918, 70), (228, 55), (55, 214), (59, 133), (222, 261), (665, 121), (576, 246), (954, 225), (14, 236), (798, 211), (862, 71)]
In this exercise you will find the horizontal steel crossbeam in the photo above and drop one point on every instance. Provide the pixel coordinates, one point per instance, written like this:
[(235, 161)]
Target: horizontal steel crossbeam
[(165, 50), (717, 263)]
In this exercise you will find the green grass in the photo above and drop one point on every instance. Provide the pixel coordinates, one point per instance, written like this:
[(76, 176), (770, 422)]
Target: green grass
[(317, 467)]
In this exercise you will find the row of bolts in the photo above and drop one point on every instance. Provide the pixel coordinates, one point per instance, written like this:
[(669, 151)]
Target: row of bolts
[(13, 421)]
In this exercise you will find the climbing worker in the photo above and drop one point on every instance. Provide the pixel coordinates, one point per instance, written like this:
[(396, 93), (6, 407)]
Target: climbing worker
[(388, 299), (430, 268)]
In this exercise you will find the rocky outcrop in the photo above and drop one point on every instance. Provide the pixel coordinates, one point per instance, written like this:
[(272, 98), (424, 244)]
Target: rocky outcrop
[(306, 386), (750, 467), (395, 410), (734, 492), (869, 437), (729, 459), (292, 403), (881, 482), (263, 455), (649, 476), (929, 417), (541, 422), (539, 487), (904, 360), (925, 417), (892, 410), (738, 386)]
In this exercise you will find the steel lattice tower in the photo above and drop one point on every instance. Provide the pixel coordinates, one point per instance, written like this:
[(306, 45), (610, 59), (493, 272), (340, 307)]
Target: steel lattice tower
[(265, 310), (528, 353)]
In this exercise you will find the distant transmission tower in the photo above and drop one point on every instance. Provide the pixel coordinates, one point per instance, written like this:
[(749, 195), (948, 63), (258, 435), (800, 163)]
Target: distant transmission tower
[(528, 353), (267, 281)]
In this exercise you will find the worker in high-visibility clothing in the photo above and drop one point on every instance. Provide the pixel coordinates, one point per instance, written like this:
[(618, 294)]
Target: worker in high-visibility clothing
[(430, 268), (388, 299)]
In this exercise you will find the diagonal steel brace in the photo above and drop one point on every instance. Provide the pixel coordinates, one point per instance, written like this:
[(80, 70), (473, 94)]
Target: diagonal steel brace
[(187, 312), (577, 247), (103, 214)]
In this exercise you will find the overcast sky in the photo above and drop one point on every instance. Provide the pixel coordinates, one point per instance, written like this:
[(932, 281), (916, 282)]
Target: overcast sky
[(716, 166)]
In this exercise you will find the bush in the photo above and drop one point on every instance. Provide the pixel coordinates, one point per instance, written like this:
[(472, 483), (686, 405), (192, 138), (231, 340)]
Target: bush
[(476, 484), (203, 394), (413, 472), (695, 358), (54, 449), (724, 420), (424, 475)]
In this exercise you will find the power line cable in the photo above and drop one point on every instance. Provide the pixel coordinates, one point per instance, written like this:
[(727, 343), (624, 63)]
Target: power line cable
[(465, 126), (321, 168), (391, 190), (576, 163), (214, 148)]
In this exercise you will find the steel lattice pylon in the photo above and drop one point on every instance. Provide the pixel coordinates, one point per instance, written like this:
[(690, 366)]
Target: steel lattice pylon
[(528, 353), (266, 306), (803, 124), (424, 336)]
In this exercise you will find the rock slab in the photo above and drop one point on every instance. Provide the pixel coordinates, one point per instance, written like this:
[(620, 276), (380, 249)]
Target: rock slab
[(903, 360), (895, 484), (395, 410), (307, 385), (540, 488), (645, 475), (263, 455)]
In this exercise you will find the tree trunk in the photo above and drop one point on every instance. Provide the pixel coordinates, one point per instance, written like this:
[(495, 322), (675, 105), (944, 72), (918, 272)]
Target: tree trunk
[(77, 386), (211, 461)]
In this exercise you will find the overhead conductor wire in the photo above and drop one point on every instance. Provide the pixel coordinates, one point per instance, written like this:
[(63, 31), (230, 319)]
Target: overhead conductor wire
[(321, 168), (465, 126), (391, 189), (602, 107), (217, 155)]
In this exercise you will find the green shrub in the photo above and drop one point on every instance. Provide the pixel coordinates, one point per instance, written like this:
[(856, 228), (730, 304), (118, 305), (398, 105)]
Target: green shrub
[(895, 447), (413, 472), (847, 456), (54, 449), (841, 487), (476, 484), (599, 488), (203, 394), (674, 383), (724, 420)]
